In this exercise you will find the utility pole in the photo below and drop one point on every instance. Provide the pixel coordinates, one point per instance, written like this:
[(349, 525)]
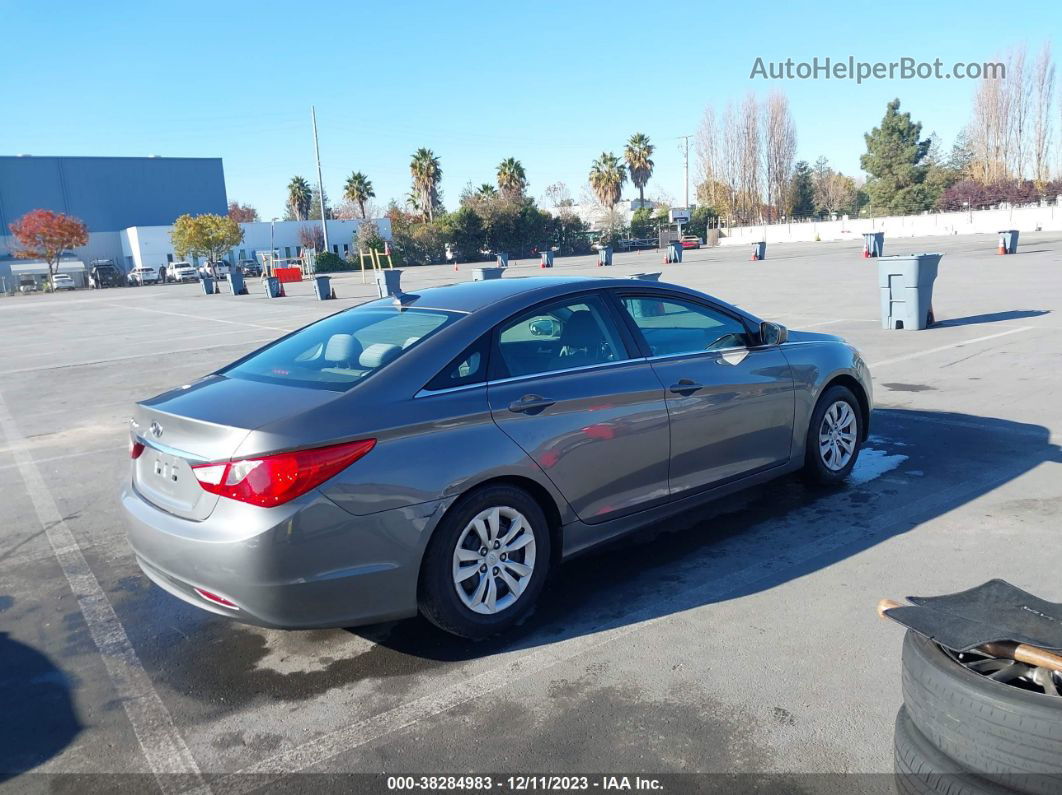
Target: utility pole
[(320, 180), (686, 165)]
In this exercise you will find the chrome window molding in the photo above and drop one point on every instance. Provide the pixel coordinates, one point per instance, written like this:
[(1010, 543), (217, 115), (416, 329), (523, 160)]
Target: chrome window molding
[(515, 378)]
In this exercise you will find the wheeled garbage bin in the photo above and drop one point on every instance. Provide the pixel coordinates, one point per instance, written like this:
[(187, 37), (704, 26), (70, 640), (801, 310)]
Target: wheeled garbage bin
[(873, 244), (485, 274), (759, 250), (388, 282), (906, 283), (272, 285), (503, 259), (547, 260), (1008, 241), (208, 285), (236, 285), (674, 252), (322, 287), (604, 256)]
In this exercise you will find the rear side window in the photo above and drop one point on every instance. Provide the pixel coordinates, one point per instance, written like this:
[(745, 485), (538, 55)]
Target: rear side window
[(339, 351), (469, 367)]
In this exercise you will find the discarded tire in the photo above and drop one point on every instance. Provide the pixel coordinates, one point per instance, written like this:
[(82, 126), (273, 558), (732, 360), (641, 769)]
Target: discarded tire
[(1001, 732), (922, 769)]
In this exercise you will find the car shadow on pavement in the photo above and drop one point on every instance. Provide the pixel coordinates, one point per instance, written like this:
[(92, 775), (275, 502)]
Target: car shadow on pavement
[(37, 718), (916, 466), (991, 317)]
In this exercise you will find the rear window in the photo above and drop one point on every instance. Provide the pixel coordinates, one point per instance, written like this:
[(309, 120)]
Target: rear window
[(339, 351)]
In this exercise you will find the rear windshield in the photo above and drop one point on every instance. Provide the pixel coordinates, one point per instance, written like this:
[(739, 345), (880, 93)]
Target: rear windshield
[(339, 351)]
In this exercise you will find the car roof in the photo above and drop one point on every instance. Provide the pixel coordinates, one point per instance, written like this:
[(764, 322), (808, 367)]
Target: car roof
[(473, 296)]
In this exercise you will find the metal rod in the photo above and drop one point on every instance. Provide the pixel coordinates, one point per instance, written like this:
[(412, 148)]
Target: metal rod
[(320, 180)]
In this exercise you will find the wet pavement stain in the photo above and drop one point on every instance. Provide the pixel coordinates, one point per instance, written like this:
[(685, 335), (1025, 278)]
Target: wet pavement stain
[(896, 387)]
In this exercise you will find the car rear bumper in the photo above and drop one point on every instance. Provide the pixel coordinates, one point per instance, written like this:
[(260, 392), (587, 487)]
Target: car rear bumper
[(308, 564)]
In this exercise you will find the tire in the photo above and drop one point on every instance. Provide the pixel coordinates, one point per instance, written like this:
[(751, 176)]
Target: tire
[(921, 768), (438, 593), (817, 468), (1001, 732)]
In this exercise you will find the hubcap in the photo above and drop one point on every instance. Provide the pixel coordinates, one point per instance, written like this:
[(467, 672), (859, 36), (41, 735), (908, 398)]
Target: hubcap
[(493, 560), (837, 436)]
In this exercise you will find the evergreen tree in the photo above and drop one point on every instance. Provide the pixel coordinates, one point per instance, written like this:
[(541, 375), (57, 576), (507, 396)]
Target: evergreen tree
[(894, 161), (802, 198)]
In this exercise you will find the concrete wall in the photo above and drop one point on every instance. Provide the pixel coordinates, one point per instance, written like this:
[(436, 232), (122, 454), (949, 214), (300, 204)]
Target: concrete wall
[(1024, 219)]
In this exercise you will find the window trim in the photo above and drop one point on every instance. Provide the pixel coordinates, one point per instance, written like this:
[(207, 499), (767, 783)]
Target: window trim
[(619, 294), (497, 376)]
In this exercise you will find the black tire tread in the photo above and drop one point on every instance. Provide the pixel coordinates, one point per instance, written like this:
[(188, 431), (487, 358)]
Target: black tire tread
[(922, 769), (1009, 735)]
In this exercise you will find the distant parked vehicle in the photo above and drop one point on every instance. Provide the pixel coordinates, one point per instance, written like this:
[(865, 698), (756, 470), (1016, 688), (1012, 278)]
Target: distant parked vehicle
[(104, 273), (248, 267), (63, 281), (215, 270), (145, 274), (27, 284), (182, 272), (639, 243), (691, 241)]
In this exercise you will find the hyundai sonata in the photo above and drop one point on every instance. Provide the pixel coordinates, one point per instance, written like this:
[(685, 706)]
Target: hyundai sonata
[(441, 451)]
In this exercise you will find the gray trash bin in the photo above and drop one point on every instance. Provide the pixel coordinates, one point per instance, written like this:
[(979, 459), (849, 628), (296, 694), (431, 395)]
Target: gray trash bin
[(1008, 241), (485, 274), (647, 277), (906, 282), (503, 259), (272, 284), (674, 252), (604, 255), (759, 250), (388, 282), (873, 244), (208, 285), (322, 287), (547, 260), (236, 285)]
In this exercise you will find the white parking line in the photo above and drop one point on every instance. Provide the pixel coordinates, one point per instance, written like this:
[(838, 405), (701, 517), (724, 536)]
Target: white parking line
[(210, 319), (940, 348), (770, 564), (164, 749)]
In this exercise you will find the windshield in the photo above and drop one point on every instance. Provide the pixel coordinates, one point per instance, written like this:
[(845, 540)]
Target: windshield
[(339, 351)]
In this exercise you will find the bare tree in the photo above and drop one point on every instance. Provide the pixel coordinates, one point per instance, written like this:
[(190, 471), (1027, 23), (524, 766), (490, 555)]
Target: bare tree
[(779, 152), (707, 146), (1043, 90), (1018, 99), (730, 171), (988, 131), (749, 145)]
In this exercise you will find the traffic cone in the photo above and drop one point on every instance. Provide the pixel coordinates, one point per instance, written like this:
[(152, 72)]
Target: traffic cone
[(753, 258), (1002, 245), (455, 266), (866, 252)]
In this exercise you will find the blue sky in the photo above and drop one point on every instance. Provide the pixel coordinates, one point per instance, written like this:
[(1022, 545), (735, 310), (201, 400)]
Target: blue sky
[(551, 83)]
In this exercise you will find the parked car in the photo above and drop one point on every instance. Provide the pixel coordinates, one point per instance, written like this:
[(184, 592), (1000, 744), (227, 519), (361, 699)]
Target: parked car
[(371, 482), (63, 281), (248, 267), (181, 272), (144, 274), (27, 284), (215, 270), (691, 241), (104, 273)]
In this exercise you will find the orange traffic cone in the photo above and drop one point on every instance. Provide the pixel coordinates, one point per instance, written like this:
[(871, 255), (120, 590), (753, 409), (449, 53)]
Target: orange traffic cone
[(866, 253), (1002, 245), (753, 258), (455, 266)]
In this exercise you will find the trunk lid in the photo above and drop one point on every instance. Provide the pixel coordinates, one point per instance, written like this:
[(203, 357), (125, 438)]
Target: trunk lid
[(199, 423)]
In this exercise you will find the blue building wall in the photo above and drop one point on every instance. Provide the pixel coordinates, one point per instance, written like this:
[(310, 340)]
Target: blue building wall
[(111, 193)]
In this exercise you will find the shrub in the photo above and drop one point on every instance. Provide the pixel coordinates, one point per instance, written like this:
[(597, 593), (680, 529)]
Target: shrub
[(327, 262)]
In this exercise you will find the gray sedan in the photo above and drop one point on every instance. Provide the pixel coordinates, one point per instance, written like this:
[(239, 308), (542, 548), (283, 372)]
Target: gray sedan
[(440, 452)]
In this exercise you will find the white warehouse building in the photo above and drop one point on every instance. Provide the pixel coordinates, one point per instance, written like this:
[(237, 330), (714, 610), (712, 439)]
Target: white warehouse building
[(152, 246)]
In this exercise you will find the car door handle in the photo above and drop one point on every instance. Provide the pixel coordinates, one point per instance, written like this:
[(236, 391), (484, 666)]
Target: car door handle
[(530, 404), (685, 387)]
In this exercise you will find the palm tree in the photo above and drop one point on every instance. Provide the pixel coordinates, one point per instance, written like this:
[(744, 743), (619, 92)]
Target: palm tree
[(358, 189), (486, 191), (638, 155), (607, 176), (299, 198), (511, 177), (426, 175)]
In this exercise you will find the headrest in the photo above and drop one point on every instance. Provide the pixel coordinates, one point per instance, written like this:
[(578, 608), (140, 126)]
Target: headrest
[(379, 354), (341, 348)]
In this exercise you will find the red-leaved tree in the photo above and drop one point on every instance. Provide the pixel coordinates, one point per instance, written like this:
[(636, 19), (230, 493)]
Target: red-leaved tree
[(242, 213), (46, 235)]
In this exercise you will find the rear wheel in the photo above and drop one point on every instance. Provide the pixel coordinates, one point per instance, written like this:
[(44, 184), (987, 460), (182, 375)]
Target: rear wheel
[(833, 439), (486, 563)]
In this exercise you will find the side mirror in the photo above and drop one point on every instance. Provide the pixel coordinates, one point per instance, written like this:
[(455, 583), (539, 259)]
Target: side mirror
[(543, 327), (773, 333)]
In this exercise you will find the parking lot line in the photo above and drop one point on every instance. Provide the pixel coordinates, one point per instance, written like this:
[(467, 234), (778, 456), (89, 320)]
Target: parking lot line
[(740, 580), (163, 747), (210, 319), (938, 349)]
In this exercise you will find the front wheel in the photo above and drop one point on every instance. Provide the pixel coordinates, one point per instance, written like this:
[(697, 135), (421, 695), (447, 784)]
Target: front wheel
[(833, 439), (486, 563)]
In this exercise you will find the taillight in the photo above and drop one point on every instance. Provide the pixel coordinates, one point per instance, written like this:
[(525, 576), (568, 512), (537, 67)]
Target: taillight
[(274, 479), (218, 600), (135, 448)]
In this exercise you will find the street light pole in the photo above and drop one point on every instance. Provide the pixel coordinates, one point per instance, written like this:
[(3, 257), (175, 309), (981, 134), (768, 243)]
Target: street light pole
[(272, 247), (320, 180)]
